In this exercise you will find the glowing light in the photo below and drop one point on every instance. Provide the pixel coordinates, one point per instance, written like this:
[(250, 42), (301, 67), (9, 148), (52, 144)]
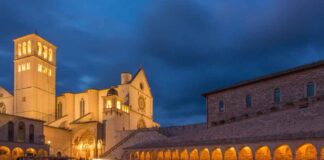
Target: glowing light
[(118, 105), (109, 104)]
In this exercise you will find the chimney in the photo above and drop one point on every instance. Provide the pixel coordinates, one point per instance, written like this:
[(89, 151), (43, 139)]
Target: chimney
[(125, 77)]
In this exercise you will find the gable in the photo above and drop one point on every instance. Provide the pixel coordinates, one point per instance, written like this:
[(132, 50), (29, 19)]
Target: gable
[(140, 82)]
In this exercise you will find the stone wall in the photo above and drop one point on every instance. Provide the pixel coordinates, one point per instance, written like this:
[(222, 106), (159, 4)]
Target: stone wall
[(292, 86)]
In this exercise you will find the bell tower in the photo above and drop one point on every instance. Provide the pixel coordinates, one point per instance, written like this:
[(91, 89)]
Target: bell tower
[(34, 77)]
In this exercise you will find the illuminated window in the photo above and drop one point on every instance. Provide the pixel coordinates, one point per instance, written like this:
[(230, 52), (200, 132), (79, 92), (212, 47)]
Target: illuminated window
[(45, 52), (118, 105), (49, 72), (221, 107), (310, 89), (19, 49), (19, 68), (23, 67), (45, 70), (277, 95), (24, 47), (28, 66), (39, 68), (109, 104), (29, 47), (50, 53), (40, 48), (248, 101)]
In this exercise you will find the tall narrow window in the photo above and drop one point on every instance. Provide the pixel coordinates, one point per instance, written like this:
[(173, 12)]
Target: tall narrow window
[(11, 131), (277, 95), (221, 107), (19, 49), (21, 132), (45, 51), (24, 48), (248, 101), (50, 54), (31, 134), (310, 89), (40, 48), (82, 109), (29, 47), (58, 111)]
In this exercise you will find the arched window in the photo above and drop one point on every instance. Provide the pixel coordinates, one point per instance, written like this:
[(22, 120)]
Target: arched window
[(82, 108), (21, 132), (29, 47), (24, 48), (50, 54), (45, 51), (31, 133), (19, 49), (248, 101), (277, 95), (58, 111), (11, 131), (40, 48), (221, 107), (310, 89)]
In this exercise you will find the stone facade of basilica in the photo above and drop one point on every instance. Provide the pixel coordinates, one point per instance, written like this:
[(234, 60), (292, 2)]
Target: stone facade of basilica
[(82, 125)]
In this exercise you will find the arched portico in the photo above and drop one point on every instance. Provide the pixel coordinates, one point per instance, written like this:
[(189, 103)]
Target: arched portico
[(263, 153), (230, 154), (283, 152)]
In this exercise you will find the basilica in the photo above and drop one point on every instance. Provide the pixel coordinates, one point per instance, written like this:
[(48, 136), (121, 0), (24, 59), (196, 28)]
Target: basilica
[(273, 117), (83, 125)]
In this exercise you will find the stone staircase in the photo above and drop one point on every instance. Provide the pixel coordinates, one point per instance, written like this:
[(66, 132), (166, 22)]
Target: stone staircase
[(116, 146)]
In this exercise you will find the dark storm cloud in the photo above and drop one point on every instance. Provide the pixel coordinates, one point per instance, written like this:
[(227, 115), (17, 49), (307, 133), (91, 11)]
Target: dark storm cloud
[(186, 47)]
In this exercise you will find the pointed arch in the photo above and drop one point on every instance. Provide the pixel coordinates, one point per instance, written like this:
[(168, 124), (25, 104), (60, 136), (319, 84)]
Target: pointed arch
[(21, 132), (11, 131), (263, 153), (283, 152), (184, 155), (306, 152), (217, 154), (204, 154), (31, 133), (194, 155), (230, 154)]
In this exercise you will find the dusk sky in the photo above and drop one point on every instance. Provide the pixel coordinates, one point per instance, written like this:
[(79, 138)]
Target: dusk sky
[(187, 47)]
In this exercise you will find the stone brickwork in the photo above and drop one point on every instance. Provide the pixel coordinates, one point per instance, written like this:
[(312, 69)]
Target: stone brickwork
[(293, 88)]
